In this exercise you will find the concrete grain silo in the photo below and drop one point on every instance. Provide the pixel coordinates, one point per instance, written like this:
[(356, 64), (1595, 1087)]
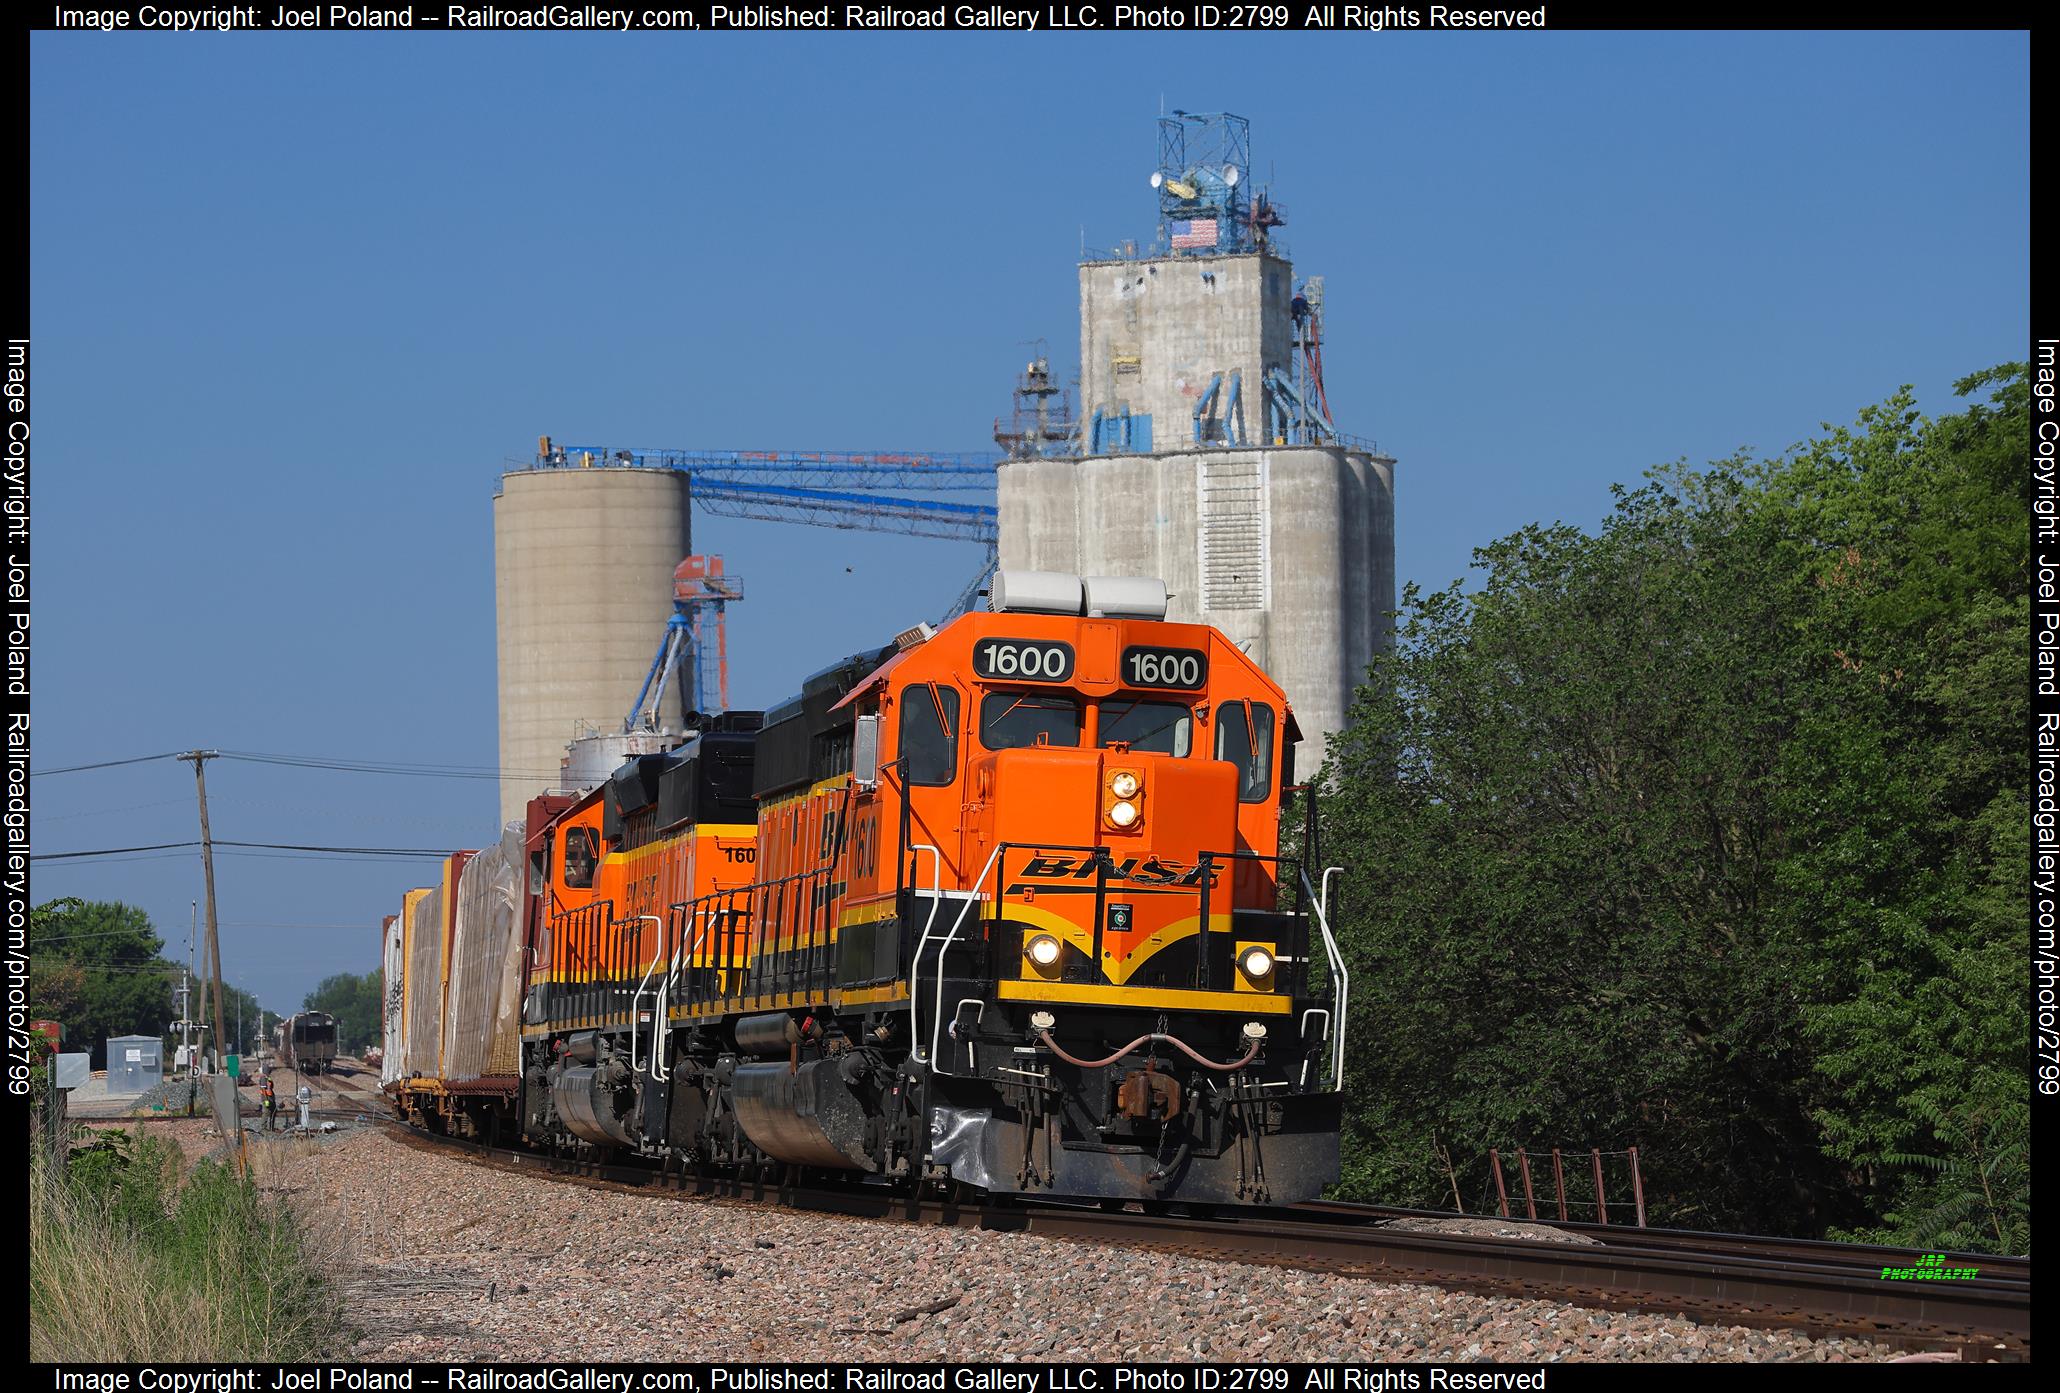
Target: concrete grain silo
[(584, 556), (1206, 454)]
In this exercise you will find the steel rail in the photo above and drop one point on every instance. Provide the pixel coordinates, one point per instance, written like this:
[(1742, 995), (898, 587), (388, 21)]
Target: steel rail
[(1823, 1251)]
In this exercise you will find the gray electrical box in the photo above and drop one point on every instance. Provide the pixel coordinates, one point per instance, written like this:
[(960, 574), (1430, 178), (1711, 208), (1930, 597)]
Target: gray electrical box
[(135, 1063)]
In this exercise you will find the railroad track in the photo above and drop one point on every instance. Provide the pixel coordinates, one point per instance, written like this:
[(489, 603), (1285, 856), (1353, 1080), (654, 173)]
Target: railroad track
[(1728, 1279), (1858, 1256)]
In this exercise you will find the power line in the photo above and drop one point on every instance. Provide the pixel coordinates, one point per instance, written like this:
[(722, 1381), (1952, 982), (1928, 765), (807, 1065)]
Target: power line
[(342, 765), (335, 763), (108, 851), (276, 924), (41, 939), (261, 846), (103, 764), (437, 852)]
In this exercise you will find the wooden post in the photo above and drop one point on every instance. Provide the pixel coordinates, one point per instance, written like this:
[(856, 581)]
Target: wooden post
[(199, 759), (1559, 1184), (1501, 1194), (1637, 1188), (1523, 1161), (1601, 1209), (56, 1131), (1458, 1204)]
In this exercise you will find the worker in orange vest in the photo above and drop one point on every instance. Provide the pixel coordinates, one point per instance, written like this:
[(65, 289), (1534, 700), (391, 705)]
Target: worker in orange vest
[(269, 1098)]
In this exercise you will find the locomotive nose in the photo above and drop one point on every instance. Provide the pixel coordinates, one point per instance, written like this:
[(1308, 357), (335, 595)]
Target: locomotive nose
[(1167, 805)]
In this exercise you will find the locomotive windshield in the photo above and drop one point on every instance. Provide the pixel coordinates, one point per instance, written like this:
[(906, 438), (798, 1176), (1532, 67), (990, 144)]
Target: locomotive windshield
[(1149, 727), (929, 734), (1011, 720)]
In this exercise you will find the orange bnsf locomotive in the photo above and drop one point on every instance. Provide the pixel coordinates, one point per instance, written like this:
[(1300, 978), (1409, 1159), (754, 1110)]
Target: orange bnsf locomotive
[(999, 907)]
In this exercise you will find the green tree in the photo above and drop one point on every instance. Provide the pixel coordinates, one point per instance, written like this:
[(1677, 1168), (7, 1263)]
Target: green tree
[(1698, 833), (355, 1002), (94, 966), (1912, 855)]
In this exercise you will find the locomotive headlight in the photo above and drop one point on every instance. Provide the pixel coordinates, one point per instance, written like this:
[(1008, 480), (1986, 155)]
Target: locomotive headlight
[(1123, 814), (1043, 950), (1124, 785), (1257, 963)]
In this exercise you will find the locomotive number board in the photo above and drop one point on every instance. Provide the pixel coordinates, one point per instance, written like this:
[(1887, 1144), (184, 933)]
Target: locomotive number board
[(1181, 669), (1023, 660)]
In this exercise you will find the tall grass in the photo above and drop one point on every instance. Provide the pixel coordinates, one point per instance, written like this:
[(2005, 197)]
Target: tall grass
[(132, 1261)]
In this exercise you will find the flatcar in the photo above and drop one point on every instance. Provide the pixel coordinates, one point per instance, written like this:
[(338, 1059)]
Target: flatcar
[(1000, 907), (307, 1042)]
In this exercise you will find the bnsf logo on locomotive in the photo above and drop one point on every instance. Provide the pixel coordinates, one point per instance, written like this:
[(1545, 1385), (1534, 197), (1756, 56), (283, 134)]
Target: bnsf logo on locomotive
[(1149, 871)]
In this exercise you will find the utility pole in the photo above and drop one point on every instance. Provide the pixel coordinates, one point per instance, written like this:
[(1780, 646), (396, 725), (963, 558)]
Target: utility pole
[(199, 759), (186, 1015)]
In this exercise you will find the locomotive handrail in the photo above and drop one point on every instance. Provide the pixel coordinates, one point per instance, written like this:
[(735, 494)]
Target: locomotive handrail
[(1344, 978), (937, 1015), (915, 967), (662, 1007), (574, 933), (1303, 1032), (1328, 872), (656, 957)]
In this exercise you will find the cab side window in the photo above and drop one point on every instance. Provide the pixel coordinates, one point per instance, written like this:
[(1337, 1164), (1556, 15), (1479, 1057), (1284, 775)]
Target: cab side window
[(929, 735), (582, 854), (1244, 736)]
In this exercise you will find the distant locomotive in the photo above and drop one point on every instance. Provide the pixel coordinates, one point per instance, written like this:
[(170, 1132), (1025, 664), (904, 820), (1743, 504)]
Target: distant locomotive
[(999, 907), (307, 1042)]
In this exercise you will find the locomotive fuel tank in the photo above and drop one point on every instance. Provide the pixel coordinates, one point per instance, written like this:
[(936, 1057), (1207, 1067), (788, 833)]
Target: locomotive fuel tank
[(811, 1116), (769, 1035), (598, 1101)]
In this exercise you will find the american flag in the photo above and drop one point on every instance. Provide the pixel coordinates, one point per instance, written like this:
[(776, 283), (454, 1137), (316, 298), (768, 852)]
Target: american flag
[(1201, 232)]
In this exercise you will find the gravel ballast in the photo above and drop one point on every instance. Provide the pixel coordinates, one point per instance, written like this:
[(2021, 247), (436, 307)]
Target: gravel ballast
[(452, 1260)]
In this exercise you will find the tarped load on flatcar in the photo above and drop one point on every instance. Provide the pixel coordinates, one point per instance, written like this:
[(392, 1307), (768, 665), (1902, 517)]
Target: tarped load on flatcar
[(393, 969), (423, 1033), (481, 1032)]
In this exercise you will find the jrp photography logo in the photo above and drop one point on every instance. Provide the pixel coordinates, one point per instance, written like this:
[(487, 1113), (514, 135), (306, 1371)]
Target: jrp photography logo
[(1929, 1268)]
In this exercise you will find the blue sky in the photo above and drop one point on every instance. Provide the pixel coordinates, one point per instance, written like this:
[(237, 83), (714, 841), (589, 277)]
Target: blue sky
[(295, 298)]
